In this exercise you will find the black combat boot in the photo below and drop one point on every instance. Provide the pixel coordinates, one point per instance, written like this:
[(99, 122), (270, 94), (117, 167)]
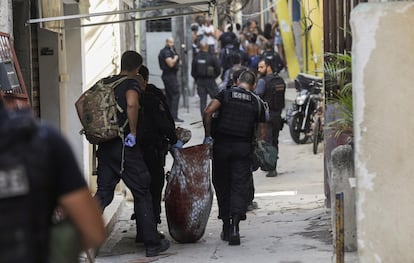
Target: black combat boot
[(234, 236), (155, 250), (226, 229), (138, 237)]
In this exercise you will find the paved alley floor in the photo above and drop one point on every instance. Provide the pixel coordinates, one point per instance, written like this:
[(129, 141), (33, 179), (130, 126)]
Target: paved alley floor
[(291, 224)]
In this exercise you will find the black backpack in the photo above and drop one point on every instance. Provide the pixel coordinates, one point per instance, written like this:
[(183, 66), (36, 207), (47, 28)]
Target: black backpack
[(227, 57), (276, 61)]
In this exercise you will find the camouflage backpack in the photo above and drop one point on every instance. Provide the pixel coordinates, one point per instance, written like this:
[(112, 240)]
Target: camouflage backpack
[(97, 110)]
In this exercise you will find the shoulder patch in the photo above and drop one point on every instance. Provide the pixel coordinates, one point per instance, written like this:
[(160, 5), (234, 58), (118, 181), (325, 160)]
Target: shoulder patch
[(13, 182)]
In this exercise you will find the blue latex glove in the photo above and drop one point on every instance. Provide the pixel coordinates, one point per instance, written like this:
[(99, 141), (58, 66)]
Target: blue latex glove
[(260, 144), (130, 140), (208, 140), (178, 145)]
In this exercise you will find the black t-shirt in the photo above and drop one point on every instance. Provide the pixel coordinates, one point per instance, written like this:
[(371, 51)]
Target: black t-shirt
[(156, 125), (165, 53), (65, 167), (120, 96), (61, 164)]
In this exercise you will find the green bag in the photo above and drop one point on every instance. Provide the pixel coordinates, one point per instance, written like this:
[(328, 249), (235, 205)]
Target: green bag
[(265, 156), (210, 71), (65, 243)]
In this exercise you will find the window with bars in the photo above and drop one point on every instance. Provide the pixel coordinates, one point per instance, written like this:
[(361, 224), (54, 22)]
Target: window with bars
[(160, 25), (9, 81), (12, 88)]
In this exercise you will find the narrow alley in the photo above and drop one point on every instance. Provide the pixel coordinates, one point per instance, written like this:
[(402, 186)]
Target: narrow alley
[(290, 225)]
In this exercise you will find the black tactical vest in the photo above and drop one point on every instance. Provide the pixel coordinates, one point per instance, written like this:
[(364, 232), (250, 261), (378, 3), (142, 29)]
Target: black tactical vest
[(23, 187), (238, 114), (274, 93), (202, 62)]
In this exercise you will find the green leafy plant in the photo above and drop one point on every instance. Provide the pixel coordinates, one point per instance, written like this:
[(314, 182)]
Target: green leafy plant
[(338, 88), (338, 72), (344, 121)]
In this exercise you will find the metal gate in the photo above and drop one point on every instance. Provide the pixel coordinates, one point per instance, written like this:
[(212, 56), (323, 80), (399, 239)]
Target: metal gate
[(12, 88), (337, 31)]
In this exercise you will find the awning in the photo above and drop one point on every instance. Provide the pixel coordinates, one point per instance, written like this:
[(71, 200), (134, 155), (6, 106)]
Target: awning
[(198, 7)]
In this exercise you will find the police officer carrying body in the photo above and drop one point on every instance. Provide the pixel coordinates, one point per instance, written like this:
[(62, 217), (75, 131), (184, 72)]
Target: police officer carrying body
[(205, 69), (240, 114), (116, 155), (156, 132), (271, 88)]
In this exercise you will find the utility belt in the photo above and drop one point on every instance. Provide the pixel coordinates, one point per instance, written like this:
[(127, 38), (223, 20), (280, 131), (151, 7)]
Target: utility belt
[(222, 137), (169, 72)]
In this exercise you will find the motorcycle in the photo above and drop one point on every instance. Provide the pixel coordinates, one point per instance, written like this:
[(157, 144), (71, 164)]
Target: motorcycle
[(304, 108)]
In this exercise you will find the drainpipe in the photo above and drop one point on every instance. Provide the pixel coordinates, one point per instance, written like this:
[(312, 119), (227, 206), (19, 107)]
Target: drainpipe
[(261, 14), (63, 78), (138, 32)]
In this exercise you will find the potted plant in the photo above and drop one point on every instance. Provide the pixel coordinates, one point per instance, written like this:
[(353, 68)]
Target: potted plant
[(338, 91)]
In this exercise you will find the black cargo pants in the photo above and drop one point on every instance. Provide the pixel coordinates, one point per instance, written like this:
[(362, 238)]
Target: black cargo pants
[(154, 159), (273, 127), (232, 177), (136, 177)]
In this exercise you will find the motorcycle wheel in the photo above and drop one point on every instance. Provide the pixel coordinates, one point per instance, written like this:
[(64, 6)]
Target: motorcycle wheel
[(316, 135), (298, 136)]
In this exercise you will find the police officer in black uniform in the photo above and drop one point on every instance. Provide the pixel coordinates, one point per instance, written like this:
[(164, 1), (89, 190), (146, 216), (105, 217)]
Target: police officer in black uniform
[(118, 159), (271, 88), (276, 61), (156, 132), (239, 113), (205, 69), (38, 171), (169, 61)]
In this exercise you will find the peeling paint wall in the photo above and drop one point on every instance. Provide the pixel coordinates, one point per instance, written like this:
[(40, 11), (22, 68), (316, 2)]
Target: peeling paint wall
[(102, 43), (383, 77)]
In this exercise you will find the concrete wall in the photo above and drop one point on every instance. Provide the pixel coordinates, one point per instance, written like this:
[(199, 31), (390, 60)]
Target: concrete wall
[(342, 174), (102, 47), (384, 129), (74, 87)]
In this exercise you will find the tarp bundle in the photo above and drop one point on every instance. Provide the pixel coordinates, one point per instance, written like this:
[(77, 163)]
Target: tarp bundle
[(188, 194)]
